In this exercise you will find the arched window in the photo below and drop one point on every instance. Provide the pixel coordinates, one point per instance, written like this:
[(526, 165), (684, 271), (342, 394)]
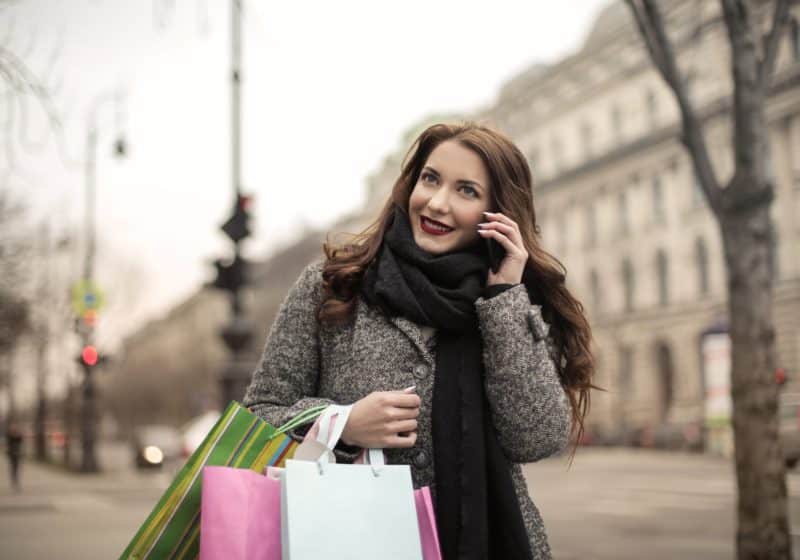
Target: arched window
[(701, 260), (594, 289), (651, 104), (616, 123), (622, 208), (666, 379), (587, 139), (628, 286), (662, 272), (591, 224), (659, 211)]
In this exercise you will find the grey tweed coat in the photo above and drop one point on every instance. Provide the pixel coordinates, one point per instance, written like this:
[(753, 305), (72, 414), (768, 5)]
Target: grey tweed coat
[(306, 364)]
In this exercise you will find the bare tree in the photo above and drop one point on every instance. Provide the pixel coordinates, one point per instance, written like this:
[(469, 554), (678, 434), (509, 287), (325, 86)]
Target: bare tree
[(14, 309), (742, 210)]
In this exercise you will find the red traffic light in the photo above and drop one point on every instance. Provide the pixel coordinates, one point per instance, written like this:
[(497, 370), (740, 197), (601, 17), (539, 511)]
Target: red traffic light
[(89, 355)]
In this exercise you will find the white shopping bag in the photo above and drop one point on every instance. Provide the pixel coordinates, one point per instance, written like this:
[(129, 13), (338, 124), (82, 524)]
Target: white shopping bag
[(353, 512)]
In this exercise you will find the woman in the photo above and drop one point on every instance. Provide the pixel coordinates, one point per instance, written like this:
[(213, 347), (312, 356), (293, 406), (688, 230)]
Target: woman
[(412, 301)]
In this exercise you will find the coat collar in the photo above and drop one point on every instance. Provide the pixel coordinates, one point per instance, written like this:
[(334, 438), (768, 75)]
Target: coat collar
[(414, 333)]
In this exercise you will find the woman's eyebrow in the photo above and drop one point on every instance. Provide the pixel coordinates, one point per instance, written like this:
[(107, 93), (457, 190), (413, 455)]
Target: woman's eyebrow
[(460, 181)]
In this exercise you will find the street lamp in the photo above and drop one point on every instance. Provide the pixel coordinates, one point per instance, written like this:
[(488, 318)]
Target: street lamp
[(89, 418)]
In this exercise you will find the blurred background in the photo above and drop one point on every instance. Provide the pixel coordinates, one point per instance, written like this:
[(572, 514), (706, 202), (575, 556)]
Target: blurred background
[(131, 131)]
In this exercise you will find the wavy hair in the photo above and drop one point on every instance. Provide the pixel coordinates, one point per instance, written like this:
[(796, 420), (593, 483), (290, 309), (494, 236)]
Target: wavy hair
[(512, 194)]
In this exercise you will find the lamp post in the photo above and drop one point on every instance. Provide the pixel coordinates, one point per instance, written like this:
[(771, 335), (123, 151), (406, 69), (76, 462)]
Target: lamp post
[(88, 421)]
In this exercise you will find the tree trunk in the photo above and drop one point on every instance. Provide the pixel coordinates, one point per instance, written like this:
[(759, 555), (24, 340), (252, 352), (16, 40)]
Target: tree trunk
[(40, 428), (763, 530)]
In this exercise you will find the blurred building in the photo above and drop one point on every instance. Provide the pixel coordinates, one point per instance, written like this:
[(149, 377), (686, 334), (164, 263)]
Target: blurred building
[(618, 204)]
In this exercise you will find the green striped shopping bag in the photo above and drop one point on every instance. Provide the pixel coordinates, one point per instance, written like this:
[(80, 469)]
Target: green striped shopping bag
[(238, 439)]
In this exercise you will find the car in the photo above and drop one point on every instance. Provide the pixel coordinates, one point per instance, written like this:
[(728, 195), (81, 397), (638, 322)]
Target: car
[(195, 431), (789, 427), (155, 444)]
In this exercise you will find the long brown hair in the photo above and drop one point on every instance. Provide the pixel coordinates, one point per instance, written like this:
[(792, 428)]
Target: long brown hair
[(512, 194)]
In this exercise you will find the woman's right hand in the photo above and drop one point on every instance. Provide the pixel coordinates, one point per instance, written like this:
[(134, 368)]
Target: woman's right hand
[(383, 419)]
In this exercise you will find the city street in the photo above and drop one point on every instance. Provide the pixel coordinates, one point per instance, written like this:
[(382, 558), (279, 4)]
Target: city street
[(611, 504)]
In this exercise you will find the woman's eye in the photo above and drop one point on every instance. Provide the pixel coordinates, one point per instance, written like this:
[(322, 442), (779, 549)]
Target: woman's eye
[(428, 177), (472, 190)]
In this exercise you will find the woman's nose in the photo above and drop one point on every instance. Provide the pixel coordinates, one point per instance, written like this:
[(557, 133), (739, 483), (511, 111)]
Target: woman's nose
[(440, 201)]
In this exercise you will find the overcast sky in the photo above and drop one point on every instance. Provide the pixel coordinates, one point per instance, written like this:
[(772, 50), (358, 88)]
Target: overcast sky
[(329, 87)]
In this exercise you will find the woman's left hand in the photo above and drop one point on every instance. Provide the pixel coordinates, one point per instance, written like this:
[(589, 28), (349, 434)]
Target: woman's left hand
[(506, 232)]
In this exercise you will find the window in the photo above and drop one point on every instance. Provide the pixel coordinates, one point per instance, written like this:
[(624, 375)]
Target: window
[(616, 123), (698, 197), (625, 371), (651, 106), (533, 159), (701, 258), (561, 222), (594, 289), (666, 374), (662, 273), (622, 208), (659, 212), (558, 153), (627, 284), (591, 225), (587, 139)]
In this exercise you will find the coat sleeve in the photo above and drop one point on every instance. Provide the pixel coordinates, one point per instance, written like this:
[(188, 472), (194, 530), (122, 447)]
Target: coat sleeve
[(529, 406), (286, 379)]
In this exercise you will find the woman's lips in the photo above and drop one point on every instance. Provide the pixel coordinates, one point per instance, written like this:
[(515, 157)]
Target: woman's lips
[(433, 229)]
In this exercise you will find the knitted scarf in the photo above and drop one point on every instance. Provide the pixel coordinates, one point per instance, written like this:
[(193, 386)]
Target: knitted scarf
[(477, 510)]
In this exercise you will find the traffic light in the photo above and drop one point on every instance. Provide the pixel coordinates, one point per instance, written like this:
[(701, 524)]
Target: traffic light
[(238, 225), (90, 357), (230, 276)]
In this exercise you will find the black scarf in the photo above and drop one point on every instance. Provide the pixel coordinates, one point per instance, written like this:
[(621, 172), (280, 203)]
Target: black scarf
[(477, 511)]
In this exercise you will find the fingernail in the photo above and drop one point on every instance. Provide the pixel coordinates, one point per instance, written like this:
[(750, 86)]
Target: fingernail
[(408, 389), (489, 213)]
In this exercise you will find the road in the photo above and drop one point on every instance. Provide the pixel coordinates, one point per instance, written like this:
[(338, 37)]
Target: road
[(611, 504)]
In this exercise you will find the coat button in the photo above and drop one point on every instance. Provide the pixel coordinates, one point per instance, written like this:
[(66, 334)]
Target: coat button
[(420, 371), (421, 460)]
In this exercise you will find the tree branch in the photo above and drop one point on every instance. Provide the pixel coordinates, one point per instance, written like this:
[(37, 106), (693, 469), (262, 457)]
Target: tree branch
[(653, 30), (780, 18)]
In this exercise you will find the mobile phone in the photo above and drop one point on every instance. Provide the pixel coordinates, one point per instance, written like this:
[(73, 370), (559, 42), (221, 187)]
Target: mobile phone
[(496, 253)]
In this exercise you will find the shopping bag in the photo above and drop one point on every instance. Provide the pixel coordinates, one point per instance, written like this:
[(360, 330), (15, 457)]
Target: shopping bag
[(426, 517), (240, 515), (428, 533), (360, 512), (238, 439)]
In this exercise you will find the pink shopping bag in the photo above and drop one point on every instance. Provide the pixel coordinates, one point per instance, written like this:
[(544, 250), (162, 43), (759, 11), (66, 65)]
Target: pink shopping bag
[(426, 518), (240, 515)]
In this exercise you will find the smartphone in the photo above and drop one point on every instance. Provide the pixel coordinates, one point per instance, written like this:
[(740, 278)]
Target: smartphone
[(496, 253)]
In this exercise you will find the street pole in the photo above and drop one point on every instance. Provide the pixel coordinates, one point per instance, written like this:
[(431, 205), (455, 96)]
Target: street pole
[(238, 332), (89, 461), (89, 415)]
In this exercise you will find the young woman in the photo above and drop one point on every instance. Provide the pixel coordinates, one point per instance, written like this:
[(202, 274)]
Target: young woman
[(460, 371)]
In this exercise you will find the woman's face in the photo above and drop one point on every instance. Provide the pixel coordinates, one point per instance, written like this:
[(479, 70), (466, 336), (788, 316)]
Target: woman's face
[(453, 189)]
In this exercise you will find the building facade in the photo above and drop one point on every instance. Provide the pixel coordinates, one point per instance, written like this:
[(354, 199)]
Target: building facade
[(618, 204)]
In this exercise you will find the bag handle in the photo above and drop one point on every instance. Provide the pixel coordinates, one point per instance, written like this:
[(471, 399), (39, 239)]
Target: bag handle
[(329, 438), (301, 418)]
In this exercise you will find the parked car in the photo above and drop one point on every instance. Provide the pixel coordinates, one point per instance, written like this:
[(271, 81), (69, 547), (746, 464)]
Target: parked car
[(789, 427), (154, 445), (195, 431)]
